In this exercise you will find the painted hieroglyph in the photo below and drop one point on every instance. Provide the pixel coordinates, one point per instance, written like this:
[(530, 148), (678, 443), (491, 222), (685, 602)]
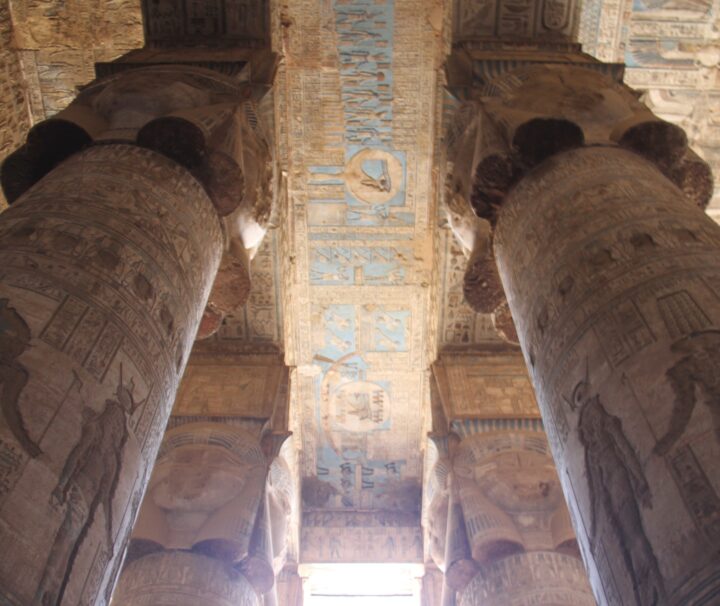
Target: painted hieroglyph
[(359, 95)]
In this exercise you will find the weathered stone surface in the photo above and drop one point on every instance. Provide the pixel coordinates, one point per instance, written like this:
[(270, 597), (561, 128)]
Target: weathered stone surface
[(181, 578), (40, 24), (528, 579), (489, 386), (232, 386), (192, 115), (612, 277), (15, 118), (196, 117), (205, 492), (437, 502), (516, 521), (361, 536), (510, 493), (183, 22), (107, 264)]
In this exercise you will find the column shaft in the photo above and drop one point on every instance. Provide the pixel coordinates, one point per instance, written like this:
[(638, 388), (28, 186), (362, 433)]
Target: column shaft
[(613, 279), (106, 265)]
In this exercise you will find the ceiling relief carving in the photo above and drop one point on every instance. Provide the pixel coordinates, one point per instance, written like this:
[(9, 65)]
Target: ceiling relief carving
[(222, 22), (490, 386), (672, 52), (516, 19), (256, 327), (361, 83), (58, 48)]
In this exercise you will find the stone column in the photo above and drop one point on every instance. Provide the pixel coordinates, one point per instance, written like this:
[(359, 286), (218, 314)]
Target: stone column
[(124, 206), (106, 265), (530, 579), (612, 274), (613, 278), (432, 586), (205, 520)]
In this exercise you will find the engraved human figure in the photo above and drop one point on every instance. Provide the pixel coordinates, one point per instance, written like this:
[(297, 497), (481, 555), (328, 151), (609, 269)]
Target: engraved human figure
[(14, 340), (616, 484), (334, 548), (88, 480), (697, 371)]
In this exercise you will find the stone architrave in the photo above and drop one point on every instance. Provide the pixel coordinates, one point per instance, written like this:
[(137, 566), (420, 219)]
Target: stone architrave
[(106, 265), (613, 278)]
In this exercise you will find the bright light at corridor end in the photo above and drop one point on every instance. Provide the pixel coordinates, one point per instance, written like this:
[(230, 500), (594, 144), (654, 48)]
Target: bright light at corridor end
[(361, 584)]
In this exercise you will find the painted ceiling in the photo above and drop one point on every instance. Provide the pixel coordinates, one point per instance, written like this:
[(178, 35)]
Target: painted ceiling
[(359, 87)]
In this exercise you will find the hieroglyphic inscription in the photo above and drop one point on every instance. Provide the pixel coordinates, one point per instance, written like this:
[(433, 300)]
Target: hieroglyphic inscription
[(10, 460), (193, 577), (618, 488), (89, 480), (251, 393), (513, 19), (681, 314), (701, 497), (624, 332), (697, 371), (230, 21), (84, 335), (527, 579), (359, 97), (480, 388), (361, 537), (460, 325)]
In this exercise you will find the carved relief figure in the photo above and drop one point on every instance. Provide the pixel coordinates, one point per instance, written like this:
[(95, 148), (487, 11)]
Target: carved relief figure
[(697, 371), (88, 480), (617, 483), (14, 340)]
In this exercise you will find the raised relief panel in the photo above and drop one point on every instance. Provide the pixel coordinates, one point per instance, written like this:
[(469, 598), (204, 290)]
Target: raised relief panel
[(381, 536), (513, 20), (204, 493), (231, 387), (214, 22), (495, 387), (517, 524)]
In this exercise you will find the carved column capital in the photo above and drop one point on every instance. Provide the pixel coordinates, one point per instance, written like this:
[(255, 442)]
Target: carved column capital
[(204, 121), (516, 113)]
